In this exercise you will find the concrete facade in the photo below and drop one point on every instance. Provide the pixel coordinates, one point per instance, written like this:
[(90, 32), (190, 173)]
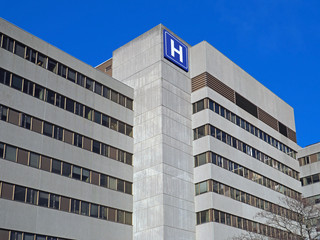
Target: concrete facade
[(211, 147)]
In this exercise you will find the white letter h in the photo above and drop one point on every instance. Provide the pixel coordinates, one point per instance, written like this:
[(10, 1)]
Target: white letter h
[(174, 50)]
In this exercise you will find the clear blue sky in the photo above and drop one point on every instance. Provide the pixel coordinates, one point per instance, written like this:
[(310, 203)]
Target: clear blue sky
[(276, 41)]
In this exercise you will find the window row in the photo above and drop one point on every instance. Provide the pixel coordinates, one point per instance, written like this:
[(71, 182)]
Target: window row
[(16, 235), (63, 102), (210, 157), (45, 163), (315, 178), (243, 147), (216, 187), (63, 71), (212, 215), (62, 203), (225, 113), (62, 134), (309, 159), (314, 199)]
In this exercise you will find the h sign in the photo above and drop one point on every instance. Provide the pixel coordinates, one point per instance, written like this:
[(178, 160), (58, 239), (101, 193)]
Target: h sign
[(175, 50)]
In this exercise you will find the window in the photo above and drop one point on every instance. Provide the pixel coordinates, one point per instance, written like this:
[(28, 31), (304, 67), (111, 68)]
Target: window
[(80, 79), (56, 166), (114, 96), (88, 114), (7, 43), (104, 150), (40, 237), (19, 193), (25, 121), (1, 150), (4, 77), (43, 199), (50, 96), (32, 196), (120, 216), (34, 160), (68, 136), (85, 175), (31, 55), (98, 88), (96, 147), (28, 87), (103, 213), (16, 82), (111, 214), (60, 101), (89, 84), (47, 129), (106, 92), (94, 210), (70, 105), (128, 187), (129, 131), (62, 70), (3, 113), (16, 235), (122, 100), (58, 133), (128, 217), (52, 65), (85, 208), (105, 120), (103, 180), (112, 183), (129, 158), (71, 75), (22, 157), (77, 140), (19, 49), (75, 206), (66, 170), (45, 163), (114, 124), (65, 204), (122, 127), (39, 92), (42, 60), (97, 117), (11, 153), (120, 185), (79, 109), (76, 172)]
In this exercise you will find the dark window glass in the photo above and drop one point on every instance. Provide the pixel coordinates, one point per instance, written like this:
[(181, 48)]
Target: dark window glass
[(1, 150), (114, 96), (60, 101), (122, 128), (111, 214), (70, 105), (31, 55), (88, 114), (85, 208), (104, 150), (11, 153), (128, 218), (121, 156), (76, 172), (105, 120), (66, 170), (3, 75), (43, 199), (122, 100), (58, 133), (85, 175), (28, 236), (32, 196), (128, 187), (77, 140), (94, 210), (120, 216), (103, 213), (56, 166), (75, 206), (283, 129), (79, 109), (47, 129), (39, 92), (89, 84), (129, 130), (62, 70), (103, 180), (97, 117), (50, 96), (15, 235), (129, 158), (19, 49), (41, 60), (28, 87), (80, 79), (71, 75), (7, 43), (52, 65), (54, 201), (40, 237), (112, 183), (98, 88), (96, 147), (114, 124), (106, 92), (19, 193), (16, 82), (34, 160), (120, 185), (3, 113)]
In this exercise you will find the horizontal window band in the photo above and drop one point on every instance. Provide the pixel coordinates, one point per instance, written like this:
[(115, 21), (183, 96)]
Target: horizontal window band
[(10, 234)]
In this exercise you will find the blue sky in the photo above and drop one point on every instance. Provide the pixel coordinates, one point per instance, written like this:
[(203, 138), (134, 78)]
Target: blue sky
[(276, 41)]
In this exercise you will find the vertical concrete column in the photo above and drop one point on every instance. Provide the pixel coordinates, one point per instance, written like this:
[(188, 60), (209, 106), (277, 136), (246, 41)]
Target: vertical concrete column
[(163, 189)]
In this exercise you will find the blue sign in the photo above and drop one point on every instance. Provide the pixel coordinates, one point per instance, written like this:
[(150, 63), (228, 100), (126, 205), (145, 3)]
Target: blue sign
[(175, 50)]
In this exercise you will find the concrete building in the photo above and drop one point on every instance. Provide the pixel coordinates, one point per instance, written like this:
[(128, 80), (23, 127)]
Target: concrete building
[(163, 141)]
